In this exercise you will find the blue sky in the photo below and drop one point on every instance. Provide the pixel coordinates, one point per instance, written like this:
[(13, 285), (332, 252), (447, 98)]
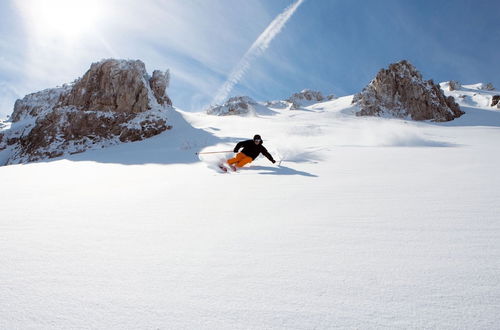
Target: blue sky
[(332, 46)]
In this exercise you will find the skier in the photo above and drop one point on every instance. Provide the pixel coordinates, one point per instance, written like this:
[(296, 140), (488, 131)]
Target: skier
[(251, 150)]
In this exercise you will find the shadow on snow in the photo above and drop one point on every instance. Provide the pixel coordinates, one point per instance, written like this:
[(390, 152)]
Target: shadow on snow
[(278, 170), (475, 117), (176, 146)]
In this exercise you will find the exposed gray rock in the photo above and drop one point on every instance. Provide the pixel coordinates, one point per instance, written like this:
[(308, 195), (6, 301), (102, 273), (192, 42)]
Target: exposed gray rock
[(495, 100), (454, 85), (35, 104), (401, 92), (159, 83), (278, 104), (305, 98), (237, 105), (488, 87), (111, 85)]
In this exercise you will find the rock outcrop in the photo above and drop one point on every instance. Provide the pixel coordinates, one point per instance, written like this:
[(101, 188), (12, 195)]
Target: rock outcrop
[(305, 98), (115, 101), (278, 104), (35, 104), (488, 87), (159, 83), (401, 92), (454, 85), (237, 105), (495, 100)]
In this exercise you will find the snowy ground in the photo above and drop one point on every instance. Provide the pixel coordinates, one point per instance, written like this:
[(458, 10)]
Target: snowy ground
[(367, 223)]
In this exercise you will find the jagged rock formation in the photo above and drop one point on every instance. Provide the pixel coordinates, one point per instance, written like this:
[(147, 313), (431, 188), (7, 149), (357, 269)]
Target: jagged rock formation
[(237, 105), (32, 105), (495, 100), (278, 104), (304, 98), (298, 100), (454, 85), (159, 83), (401, 92), (488, 87), (118, 86), (115, 101)]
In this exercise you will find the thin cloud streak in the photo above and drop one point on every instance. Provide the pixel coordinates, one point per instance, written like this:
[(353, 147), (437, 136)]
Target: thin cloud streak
[(257, 49)]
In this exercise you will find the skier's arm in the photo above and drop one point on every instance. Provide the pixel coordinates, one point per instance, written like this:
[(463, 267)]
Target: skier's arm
[(267, 154), (239, 145)]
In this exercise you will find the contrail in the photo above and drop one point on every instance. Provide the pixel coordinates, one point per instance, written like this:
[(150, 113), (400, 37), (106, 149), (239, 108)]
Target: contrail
[(258, 48)]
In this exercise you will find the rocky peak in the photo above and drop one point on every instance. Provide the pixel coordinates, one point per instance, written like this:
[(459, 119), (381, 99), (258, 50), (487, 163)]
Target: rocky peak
[(454, 85), (159, 83), (400, 91), (115, 101), (495, 100), (35, 104), (111, 85), (237, 105), (304, 98), (278, 104), (487, 87)]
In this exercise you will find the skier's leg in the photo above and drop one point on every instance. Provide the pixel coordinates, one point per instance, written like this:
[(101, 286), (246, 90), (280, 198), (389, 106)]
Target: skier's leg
[(242, 162), (236, 158)]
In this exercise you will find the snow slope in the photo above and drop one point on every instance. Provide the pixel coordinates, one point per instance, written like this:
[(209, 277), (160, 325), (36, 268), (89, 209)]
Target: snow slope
[(367, 223)]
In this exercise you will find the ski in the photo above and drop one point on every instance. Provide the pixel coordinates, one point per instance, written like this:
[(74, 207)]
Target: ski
[(222, 167)]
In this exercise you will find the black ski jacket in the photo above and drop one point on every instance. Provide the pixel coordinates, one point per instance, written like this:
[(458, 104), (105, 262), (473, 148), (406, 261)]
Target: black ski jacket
[(253, 150)]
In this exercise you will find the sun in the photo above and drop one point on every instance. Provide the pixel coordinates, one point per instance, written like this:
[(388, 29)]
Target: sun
[(62, 18)]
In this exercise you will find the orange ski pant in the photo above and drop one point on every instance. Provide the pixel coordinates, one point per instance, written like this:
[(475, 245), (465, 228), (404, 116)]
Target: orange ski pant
[(240, 160)]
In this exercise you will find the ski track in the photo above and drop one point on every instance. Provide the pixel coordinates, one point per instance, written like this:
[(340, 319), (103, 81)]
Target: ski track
[(368, 223)]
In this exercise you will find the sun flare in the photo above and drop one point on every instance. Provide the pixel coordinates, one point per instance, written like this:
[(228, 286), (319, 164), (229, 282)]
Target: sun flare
[(62, 18)]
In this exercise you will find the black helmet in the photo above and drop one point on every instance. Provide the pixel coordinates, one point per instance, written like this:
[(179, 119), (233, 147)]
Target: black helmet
[(257, 137)]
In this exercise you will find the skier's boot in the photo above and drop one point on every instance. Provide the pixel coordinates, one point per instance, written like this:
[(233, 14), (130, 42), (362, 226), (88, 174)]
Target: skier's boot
[(222, 167)]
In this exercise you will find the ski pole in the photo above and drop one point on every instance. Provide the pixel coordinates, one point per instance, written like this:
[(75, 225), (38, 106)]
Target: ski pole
[(213, 152)]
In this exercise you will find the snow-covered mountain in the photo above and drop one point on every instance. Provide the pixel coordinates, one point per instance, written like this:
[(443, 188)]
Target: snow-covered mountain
[(237, 105), (304, 98), (477, 95), (241, 106), (307, 97), (115, 101), (244, 105), (400, 91)]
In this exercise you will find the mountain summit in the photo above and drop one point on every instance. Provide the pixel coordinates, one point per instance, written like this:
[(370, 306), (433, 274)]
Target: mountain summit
[(115, 101), (401, 92)]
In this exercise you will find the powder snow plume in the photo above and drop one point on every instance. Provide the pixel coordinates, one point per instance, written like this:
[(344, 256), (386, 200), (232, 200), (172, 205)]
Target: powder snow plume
[(258, 48)]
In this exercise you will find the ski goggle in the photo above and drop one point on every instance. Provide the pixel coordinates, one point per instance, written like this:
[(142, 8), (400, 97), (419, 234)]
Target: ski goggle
[(257, 140)]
